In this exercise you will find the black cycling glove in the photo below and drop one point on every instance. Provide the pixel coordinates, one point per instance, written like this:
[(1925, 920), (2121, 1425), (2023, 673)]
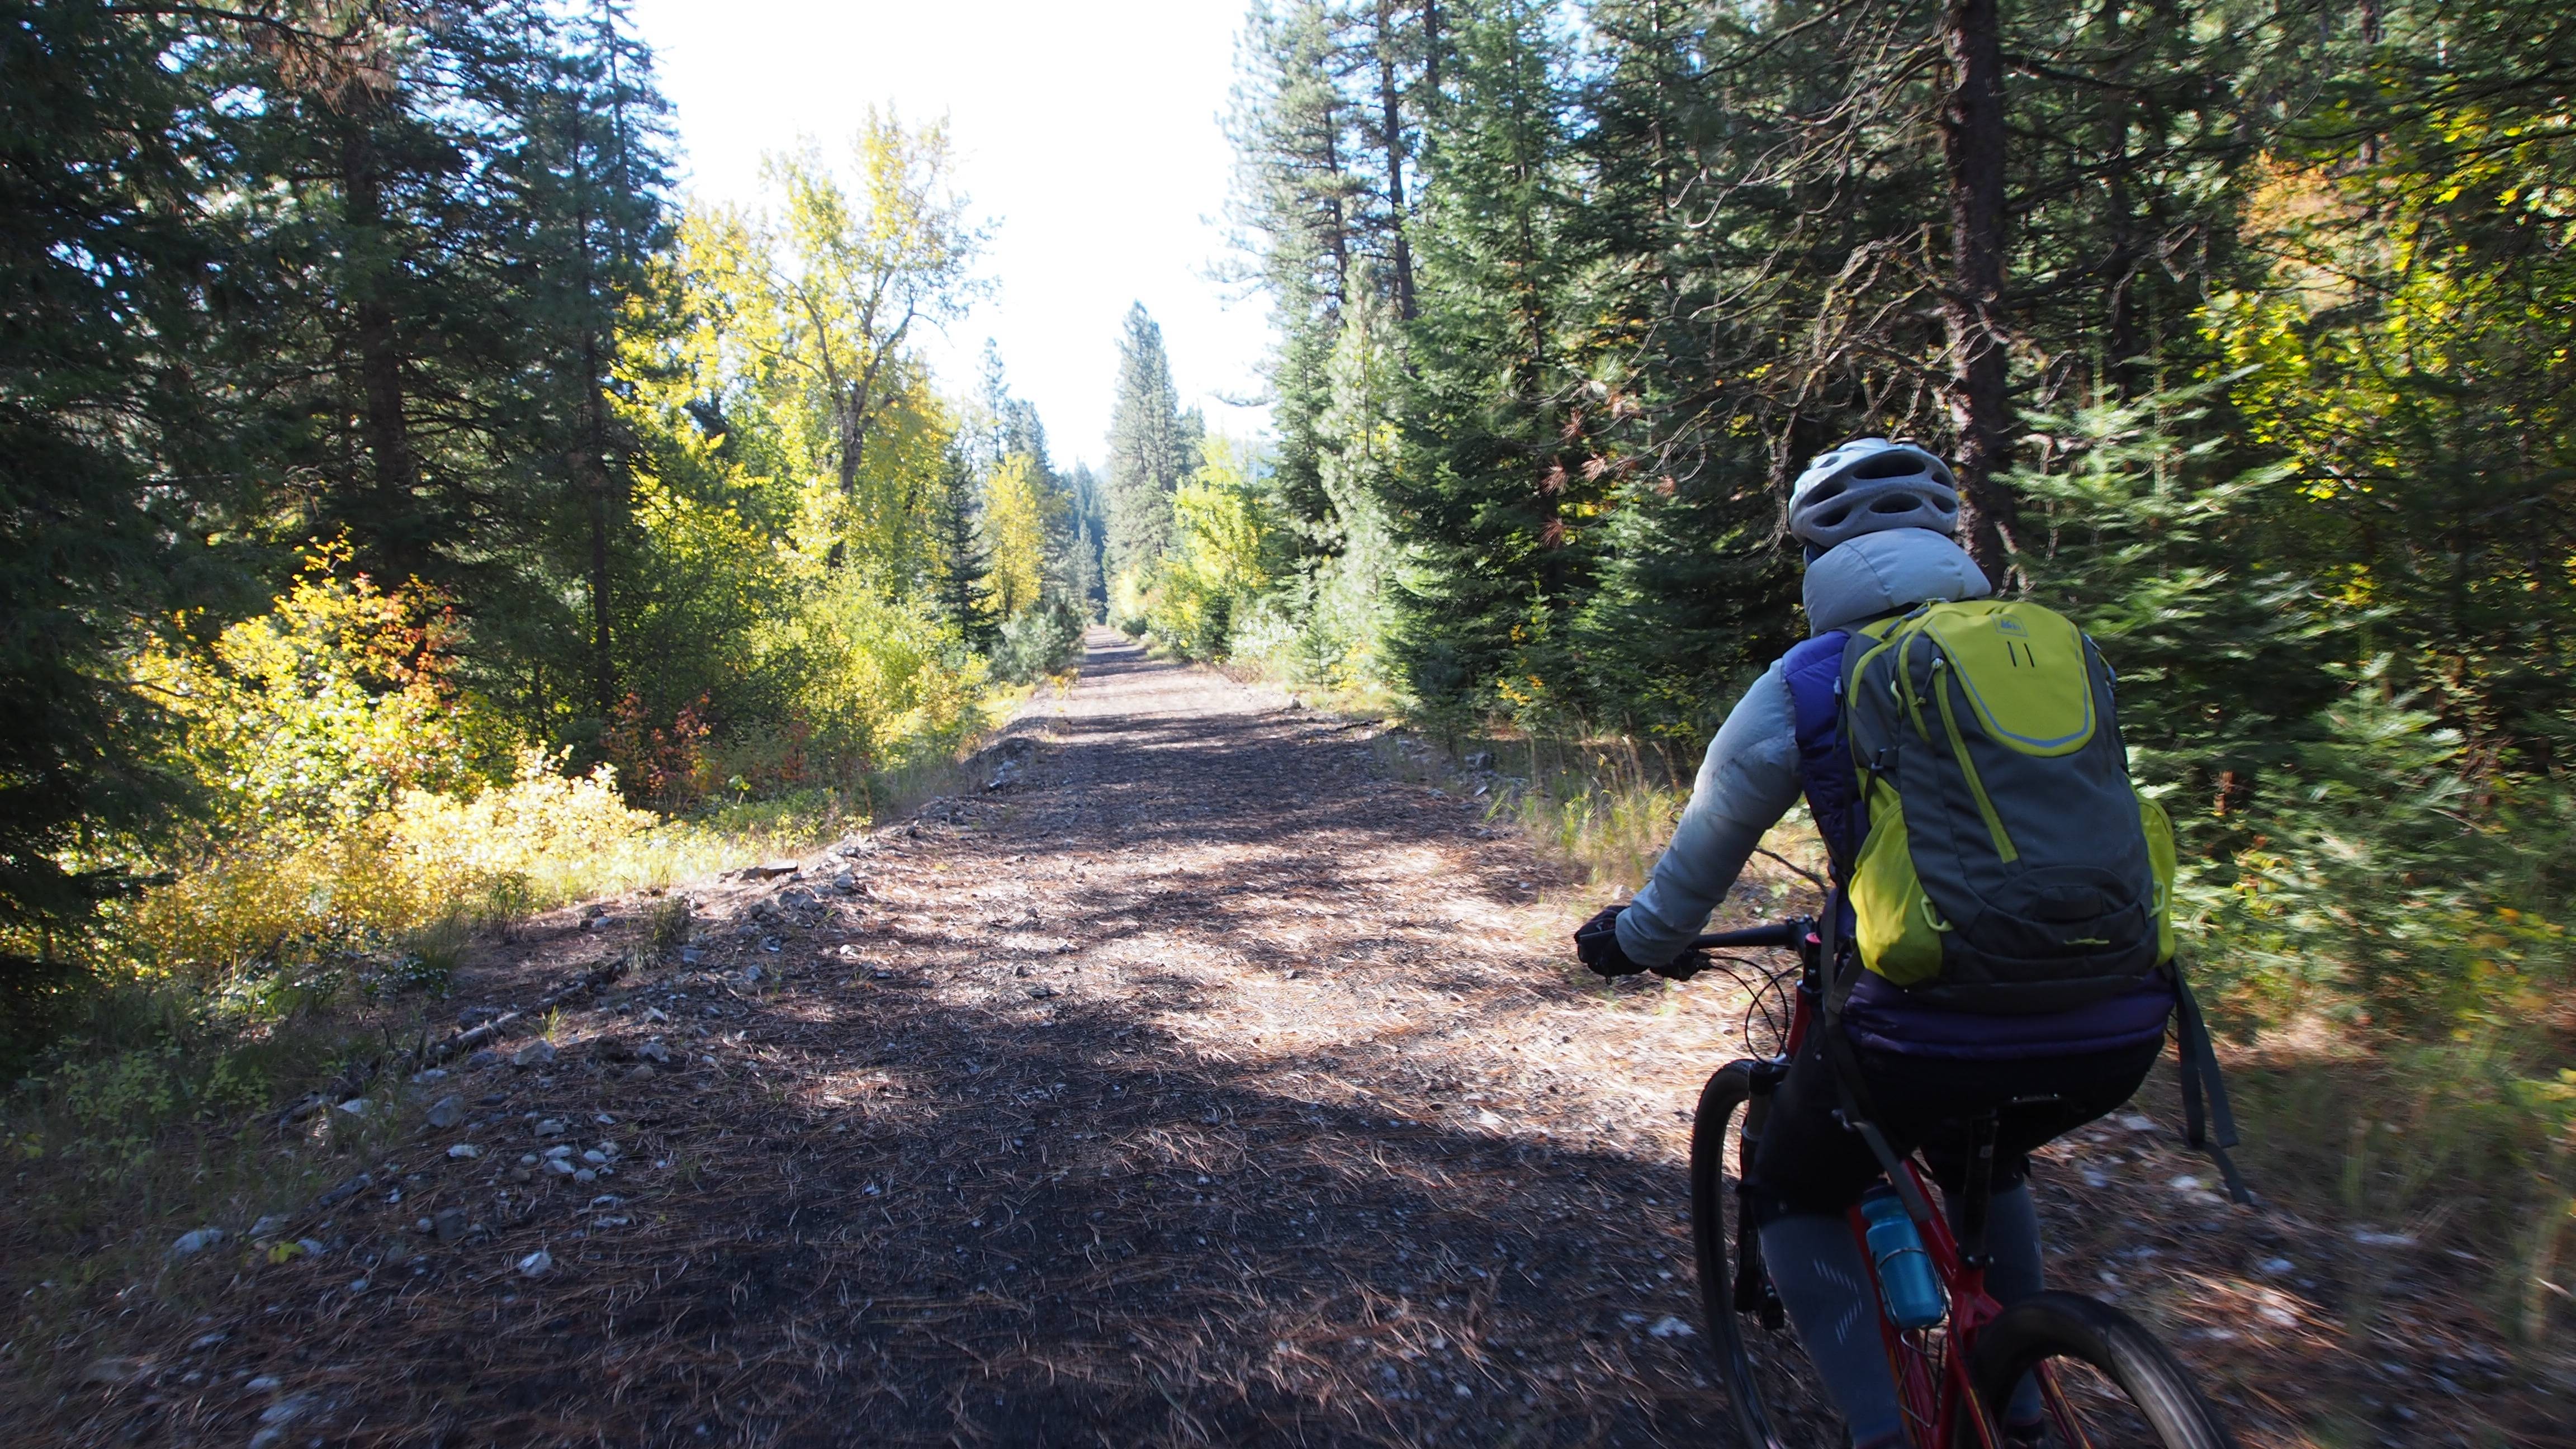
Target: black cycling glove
[(1596, 945)]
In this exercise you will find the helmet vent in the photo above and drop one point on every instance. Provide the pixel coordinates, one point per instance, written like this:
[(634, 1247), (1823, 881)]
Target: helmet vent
[(1870, 485)]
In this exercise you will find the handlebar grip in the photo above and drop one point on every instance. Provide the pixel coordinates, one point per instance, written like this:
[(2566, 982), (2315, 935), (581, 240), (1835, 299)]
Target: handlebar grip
[(1783, 934)]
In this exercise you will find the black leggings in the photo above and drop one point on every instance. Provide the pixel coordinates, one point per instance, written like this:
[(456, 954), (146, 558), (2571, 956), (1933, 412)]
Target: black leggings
[(1809, 1163)]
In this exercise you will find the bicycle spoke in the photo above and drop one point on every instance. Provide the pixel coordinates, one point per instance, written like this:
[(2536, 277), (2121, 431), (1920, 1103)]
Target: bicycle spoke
[(2103, 1381), (2088, 1411)]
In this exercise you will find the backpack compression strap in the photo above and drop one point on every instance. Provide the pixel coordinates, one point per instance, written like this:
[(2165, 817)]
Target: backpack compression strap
[(2198, 1062)]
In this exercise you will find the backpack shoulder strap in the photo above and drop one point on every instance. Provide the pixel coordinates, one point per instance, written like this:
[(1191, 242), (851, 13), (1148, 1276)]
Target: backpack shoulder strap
[(2198, 1060)]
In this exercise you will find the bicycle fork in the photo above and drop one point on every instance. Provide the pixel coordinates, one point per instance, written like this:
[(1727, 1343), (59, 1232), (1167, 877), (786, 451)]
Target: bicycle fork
[(1753, 1290)]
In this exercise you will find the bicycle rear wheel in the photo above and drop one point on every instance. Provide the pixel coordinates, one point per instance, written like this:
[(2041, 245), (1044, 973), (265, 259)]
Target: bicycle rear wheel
[(1716, 1239), (2106, 1382)]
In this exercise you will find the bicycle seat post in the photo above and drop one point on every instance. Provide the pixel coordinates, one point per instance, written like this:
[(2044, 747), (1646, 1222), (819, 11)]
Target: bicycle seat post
[(1978, 1190)]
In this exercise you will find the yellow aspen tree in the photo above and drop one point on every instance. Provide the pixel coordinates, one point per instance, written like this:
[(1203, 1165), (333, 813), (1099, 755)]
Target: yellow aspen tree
[(1018, 514), (809, 318)]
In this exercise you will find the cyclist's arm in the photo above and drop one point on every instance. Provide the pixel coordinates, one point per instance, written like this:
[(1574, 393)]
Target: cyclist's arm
[(1747, 782)]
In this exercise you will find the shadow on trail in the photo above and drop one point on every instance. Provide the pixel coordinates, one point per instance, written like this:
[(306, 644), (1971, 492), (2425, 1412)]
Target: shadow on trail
[(1083, 1194), (1068, 1236)]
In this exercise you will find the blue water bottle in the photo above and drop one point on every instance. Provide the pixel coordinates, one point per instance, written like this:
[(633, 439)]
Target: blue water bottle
[(1905, 1274)]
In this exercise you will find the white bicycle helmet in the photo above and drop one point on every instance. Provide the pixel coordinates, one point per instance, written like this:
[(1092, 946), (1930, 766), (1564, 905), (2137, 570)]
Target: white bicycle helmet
[(1869, 485)]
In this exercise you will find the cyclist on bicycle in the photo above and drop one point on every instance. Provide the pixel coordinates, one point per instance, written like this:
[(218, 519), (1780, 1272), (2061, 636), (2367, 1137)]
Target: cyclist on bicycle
[(1877, 520)]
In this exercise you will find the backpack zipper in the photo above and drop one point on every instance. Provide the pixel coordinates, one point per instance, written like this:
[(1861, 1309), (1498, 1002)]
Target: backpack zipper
[(1968, 767)]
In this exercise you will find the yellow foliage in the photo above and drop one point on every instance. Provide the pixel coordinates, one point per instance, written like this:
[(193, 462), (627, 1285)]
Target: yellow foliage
[(539, 840), (871, 676), (338, 761), (543, 838), (1018, 512), (801, 326), (310, 716)]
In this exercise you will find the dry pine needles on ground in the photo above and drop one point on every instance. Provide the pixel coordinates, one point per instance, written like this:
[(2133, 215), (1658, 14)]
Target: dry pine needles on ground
[(1196, 1084)]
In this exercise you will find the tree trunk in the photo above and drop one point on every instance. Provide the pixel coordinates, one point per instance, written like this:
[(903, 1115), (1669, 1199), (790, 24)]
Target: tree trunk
[(590, 439), (1430, 54), (854, 436), (590, 453), (400, 549), (1972, 146), (1391, 118), (2127, 344), (2370, 39), (1339, 222), (862, 397)]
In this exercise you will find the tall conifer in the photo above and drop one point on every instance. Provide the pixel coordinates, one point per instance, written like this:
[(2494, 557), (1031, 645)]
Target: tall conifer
[(1150, 447)]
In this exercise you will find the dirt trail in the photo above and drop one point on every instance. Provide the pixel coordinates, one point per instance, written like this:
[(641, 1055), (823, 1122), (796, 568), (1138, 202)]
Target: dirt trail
[(1200, 1085)]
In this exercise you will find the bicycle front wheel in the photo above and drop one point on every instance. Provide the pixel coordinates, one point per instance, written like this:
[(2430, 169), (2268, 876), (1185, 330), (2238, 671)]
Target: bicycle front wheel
[(2104, 1380), (1717, 1241)]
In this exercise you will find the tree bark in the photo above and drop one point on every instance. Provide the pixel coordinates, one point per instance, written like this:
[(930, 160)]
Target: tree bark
[(590, 438), (2126, 347), (384, 421), (1338, 221), (860, 401), (1391, 119), (1972, 146), (1430, 53), (591, 475)]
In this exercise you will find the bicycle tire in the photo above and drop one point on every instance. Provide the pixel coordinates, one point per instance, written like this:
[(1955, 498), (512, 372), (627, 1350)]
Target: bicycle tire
[(2118, 1356), (1712, 1133)]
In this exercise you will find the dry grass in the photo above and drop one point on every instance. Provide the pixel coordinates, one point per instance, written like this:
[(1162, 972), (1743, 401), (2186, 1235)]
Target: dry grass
[(153, 1124)]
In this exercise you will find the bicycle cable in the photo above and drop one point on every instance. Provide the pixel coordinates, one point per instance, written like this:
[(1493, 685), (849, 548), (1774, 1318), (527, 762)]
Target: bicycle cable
[(1768, 993)]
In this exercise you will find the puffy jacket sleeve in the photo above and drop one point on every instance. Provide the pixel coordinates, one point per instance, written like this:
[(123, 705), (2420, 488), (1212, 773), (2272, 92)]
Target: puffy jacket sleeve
[(1748, 780)]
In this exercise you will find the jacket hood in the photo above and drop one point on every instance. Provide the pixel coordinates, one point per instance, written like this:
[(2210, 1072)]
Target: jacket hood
[(1880, 572)]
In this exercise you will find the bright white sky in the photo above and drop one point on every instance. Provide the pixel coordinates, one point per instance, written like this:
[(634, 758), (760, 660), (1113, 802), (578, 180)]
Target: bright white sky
[(1088, 133)]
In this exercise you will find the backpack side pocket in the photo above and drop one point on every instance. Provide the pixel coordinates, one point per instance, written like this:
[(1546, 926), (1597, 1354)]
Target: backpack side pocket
[(1898, 932), (2160, 860)]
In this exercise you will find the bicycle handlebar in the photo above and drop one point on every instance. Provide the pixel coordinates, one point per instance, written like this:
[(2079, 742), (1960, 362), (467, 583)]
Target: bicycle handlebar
[(1783, 934)]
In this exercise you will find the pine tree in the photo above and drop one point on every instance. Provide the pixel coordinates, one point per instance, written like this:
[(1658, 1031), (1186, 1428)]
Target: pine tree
[(1087, 574), (964, 565), (1491, 499), (102, 247), (457, 231), (1151, 448), (1692, 590)]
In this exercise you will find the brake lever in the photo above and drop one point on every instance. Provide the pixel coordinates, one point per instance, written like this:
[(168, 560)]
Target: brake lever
[(1683, 967)]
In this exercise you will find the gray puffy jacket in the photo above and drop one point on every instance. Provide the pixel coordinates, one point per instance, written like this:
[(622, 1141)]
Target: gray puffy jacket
[(1749, 778)]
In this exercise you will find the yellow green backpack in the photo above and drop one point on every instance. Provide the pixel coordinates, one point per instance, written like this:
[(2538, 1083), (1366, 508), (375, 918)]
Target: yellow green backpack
[(2008, 863)]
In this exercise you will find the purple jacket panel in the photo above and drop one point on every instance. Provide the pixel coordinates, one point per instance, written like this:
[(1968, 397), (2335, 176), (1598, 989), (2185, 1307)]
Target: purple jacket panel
[(1814, 671)]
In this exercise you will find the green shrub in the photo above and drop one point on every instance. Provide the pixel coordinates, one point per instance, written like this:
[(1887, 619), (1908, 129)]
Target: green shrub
[(1038, 641)]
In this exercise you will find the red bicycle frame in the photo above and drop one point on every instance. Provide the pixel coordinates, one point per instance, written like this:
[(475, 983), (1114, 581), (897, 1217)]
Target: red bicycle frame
[(1931, 1363)]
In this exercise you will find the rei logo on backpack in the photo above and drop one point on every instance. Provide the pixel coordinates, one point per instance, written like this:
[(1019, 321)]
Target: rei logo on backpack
[(2009, 865)]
